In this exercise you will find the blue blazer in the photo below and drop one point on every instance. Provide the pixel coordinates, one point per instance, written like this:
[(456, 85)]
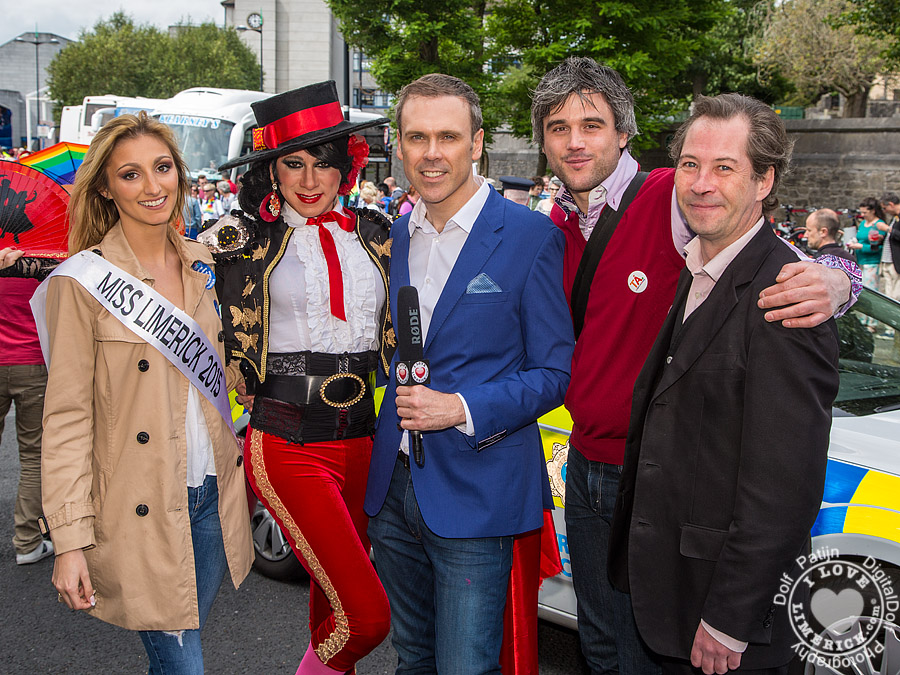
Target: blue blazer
[(509, 353)]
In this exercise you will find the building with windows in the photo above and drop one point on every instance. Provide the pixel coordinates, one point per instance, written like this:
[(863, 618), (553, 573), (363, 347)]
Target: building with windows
[(26, 110), (300, 43)]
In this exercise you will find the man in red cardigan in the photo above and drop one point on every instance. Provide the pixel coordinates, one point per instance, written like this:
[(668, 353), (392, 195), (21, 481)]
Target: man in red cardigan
[(583, 119)]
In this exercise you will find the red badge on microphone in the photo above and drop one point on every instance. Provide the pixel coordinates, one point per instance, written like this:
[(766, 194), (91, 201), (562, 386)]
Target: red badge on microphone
[(402, 373), (420, 372), (415, 372)]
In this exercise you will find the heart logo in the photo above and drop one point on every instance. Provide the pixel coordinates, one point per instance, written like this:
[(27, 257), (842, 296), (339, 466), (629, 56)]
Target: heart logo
[(837, 611), (402, 373), (420, 371)]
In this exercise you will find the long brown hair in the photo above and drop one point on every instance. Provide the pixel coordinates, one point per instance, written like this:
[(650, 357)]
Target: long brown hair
[(91, 215)]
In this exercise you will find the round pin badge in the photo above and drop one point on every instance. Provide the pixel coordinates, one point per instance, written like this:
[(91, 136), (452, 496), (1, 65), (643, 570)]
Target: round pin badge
[(637, 282), (402, 373), (420, 371), (203, 268)]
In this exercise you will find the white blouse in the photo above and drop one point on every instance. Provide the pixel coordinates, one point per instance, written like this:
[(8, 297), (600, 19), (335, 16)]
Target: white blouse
[(201, 461), (300, 316)]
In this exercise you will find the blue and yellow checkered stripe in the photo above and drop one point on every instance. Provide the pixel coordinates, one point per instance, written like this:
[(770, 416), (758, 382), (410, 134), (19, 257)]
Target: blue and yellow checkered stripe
[(859, 501)]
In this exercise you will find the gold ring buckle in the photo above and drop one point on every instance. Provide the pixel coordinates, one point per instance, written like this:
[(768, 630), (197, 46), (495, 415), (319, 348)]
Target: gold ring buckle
[(339, 376)]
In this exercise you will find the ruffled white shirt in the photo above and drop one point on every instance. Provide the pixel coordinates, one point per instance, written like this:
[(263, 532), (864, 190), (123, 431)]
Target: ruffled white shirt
[(300, 315)]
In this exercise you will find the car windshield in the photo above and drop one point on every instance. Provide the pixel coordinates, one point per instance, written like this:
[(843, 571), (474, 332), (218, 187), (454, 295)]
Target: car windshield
[(203, 140), (869, 356)]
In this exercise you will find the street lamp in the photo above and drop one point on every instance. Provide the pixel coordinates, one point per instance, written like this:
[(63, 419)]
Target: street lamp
[(255, 23), (37, 42)]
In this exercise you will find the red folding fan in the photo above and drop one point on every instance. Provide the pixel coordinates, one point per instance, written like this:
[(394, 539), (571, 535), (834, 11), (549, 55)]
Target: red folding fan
[(33, 212)]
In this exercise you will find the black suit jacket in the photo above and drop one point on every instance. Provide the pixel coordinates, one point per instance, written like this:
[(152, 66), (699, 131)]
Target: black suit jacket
[(724, 464), (894, 242)]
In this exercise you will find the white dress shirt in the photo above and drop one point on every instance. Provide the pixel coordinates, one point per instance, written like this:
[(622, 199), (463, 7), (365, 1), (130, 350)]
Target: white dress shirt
[(301, 318), (432, 255)]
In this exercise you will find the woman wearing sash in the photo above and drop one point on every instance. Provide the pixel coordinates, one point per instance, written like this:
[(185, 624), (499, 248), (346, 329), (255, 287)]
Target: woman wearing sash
[(143, 489), (303, 285)]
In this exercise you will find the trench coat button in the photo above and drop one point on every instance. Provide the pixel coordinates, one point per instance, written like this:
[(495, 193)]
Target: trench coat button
[(240, 460), (221, 336), (143, 365), (143, 437), (142, 510)]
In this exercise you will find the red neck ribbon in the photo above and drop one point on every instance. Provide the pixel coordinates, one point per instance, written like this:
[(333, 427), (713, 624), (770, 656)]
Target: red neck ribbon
[(335, 277)]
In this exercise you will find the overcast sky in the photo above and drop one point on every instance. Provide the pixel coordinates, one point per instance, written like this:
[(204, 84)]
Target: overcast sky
[(69, 17)]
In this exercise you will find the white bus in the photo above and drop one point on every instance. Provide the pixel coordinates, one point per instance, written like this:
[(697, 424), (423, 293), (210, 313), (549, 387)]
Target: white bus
[(213, 125), (79, 123)]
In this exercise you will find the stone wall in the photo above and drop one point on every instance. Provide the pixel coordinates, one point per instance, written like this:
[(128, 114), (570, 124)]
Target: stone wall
[(839, 162)]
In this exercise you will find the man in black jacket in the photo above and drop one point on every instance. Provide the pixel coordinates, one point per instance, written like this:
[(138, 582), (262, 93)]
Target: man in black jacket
[(822, 229), (890, 259), (718, 494)]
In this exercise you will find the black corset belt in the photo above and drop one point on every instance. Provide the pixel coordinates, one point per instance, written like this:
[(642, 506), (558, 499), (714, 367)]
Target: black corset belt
[(310, 397)]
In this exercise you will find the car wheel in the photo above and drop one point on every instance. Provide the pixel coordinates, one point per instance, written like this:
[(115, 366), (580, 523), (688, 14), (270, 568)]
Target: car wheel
[(274, 556)]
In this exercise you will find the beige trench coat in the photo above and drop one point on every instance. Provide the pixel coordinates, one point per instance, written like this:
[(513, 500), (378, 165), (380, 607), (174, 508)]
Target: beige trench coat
[(104, 490)]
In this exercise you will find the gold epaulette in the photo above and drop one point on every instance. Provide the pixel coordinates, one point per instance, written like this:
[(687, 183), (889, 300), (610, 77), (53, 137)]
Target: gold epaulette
[(228, 237)]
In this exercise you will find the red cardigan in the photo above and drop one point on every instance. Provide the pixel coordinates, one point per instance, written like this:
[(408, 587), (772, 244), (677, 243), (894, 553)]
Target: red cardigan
[(621, 324)]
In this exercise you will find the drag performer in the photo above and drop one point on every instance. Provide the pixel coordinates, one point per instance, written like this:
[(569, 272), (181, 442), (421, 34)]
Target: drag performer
[(143, 493), (303, 284)]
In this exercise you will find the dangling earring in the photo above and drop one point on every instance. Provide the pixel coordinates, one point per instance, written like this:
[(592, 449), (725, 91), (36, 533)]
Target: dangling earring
[(270, 208)]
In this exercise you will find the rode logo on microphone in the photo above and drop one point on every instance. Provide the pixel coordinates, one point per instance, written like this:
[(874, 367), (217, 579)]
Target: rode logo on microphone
[(415, 330)]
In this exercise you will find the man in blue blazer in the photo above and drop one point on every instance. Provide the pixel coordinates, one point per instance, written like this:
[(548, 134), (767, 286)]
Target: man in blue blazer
[(499, 339)]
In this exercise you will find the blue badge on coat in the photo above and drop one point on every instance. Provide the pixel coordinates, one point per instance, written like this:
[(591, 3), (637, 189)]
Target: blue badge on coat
[(203, 268)]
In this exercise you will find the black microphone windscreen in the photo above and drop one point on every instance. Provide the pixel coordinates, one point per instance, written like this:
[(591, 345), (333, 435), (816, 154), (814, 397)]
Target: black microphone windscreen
[(409, 324)]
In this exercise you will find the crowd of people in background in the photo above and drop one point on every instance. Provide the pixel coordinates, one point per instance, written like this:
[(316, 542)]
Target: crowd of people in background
[(872, 239)]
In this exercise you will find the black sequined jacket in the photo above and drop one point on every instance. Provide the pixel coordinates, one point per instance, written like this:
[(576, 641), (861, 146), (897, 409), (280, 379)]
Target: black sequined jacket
[(246, 251)]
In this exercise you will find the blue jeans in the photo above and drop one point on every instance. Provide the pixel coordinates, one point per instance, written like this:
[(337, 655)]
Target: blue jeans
[(609, 637), (179, 652), (447, 596)]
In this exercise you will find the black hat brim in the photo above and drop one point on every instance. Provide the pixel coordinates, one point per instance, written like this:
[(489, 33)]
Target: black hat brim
[(344, 128)]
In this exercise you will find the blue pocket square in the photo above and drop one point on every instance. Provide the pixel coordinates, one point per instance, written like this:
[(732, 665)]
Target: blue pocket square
[(483, 284)]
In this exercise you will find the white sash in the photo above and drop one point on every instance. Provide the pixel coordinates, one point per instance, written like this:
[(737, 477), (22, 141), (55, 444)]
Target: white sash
[(147, 314)]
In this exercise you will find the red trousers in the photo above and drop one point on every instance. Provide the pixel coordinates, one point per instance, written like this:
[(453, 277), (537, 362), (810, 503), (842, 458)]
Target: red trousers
[(315, 491)]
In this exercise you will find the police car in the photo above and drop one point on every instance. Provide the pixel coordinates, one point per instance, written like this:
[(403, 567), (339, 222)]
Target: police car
[(855, 539), (854, 568)]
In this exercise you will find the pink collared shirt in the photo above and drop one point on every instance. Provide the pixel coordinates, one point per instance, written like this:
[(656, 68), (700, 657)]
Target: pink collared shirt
[(705, 275), (611, 192)]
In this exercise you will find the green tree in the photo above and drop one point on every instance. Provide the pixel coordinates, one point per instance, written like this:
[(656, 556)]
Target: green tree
[(723, 62), (406, 39), (207, 56), (881, 20), (118, 57), (650, 42), (806, 42)]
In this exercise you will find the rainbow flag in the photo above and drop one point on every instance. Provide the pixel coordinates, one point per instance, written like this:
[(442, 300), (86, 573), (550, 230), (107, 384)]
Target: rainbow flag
[(59, 161)]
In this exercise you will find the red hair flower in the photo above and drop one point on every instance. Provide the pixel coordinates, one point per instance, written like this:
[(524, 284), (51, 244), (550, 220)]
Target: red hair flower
[(358, 150)]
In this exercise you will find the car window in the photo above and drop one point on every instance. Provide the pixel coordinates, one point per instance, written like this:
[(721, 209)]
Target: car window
[(869, 356)]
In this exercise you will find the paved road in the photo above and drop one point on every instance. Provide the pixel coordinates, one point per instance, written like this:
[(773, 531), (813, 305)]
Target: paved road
[(259, 629)]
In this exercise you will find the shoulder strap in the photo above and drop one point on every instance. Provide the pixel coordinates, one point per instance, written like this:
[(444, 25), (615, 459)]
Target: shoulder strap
[(590, 259)]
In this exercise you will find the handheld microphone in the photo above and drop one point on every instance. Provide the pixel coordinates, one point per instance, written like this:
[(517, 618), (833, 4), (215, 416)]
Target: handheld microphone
[(411, 367)]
